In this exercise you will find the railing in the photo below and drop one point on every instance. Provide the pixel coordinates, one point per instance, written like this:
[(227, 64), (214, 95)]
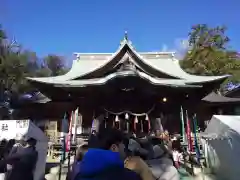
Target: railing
[(55, 148)]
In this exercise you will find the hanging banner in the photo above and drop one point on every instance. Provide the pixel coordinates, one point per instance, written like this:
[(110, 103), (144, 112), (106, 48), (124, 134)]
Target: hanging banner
[(195, 128), (189, 137), (63, 136), (75, 122), (69, 137), (183, 126)]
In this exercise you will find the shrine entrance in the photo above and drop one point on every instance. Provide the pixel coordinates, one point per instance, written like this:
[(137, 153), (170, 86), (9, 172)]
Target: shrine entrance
[(137, 108)]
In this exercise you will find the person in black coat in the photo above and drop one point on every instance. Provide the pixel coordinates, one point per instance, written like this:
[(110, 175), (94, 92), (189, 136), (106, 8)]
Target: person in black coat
[(105, 160), (23, 162)]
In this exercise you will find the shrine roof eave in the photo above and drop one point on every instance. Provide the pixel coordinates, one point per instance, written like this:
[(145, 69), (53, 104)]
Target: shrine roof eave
[(121, 74), (51, 80), (217, 98), (176, 68), (168, 66), (181, 82)]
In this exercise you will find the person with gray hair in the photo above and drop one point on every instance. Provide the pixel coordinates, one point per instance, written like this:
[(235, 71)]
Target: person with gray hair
[(135, 149), (162, 166)]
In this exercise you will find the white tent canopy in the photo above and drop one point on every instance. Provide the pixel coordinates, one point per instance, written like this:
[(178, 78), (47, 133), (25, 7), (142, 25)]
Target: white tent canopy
[(220, 124), (16, 129), (221, 144)]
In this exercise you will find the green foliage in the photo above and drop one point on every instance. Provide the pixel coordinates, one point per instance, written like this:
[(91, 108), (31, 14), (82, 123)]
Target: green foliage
[(17, 64), (209, 53), (203, 36), (55, 64)]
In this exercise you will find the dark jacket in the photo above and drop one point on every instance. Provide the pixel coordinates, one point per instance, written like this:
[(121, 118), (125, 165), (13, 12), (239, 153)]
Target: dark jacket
[(99, 164), (23, 164)]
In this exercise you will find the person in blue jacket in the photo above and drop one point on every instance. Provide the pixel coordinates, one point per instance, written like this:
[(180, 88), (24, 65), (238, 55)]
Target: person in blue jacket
[(106, 160)]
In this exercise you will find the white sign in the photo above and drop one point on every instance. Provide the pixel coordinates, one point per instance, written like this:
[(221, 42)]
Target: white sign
[(13, 129)]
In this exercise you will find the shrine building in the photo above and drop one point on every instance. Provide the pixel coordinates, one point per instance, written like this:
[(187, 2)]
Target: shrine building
[(128, 86)]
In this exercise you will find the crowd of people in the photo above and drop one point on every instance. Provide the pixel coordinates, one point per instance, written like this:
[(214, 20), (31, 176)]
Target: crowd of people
[(110, 154), (18, 159)]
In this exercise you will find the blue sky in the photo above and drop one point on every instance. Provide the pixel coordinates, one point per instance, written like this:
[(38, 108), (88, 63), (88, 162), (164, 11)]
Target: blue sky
[(66, 26)]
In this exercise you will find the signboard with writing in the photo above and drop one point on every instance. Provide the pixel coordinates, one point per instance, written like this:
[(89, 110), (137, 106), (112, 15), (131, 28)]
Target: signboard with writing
[(13, 129), (22, 123), (4, 127)]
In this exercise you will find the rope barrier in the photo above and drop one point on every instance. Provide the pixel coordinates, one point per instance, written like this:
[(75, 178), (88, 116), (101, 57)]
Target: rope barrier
[(129, 112)]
